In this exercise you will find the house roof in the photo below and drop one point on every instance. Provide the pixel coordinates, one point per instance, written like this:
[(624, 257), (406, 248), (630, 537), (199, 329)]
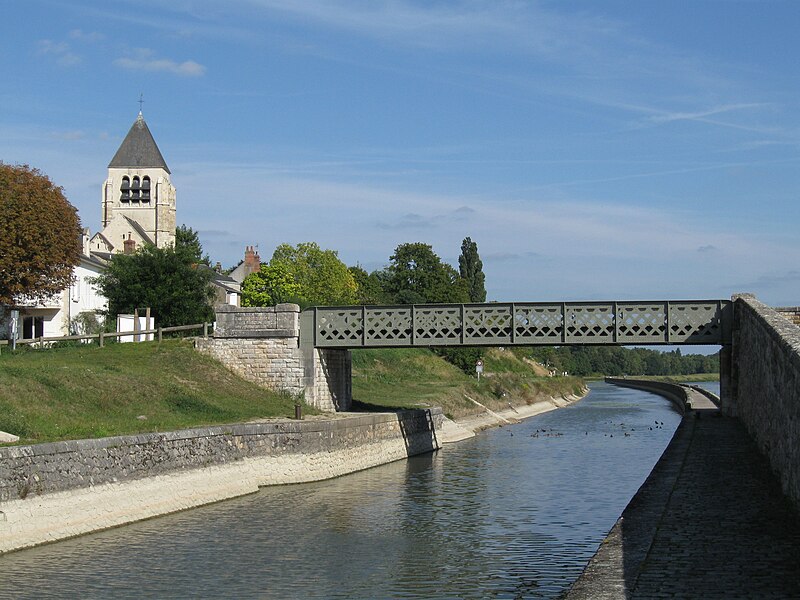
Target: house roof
[(138, 229), (223, 281), (139, 149)]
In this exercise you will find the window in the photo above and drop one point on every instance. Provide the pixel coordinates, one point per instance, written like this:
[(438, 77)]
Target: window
[(125, 189), (135, 189), (145, 189), (32, 327)]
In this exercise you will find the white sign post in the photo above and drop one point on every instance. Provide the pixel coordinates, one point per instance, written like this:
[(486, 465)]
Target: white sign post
[(14, 328), (479, 368)]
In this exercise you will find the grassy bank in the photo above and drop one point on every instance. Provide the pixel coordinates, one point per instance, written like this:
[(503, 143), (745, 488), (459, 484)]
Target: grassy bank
[(412, 378), (86, 392)]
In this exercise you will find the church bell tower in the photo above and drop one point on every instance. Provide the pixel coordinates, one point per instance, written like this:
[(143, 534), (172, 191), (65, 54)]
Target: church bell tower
[(138, 198)]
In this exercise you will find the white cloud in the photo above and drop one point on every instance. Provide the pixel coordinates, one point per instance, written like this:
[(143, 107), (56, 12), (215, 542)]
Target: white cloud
[(144, 59), (60, 51), (86, 36)]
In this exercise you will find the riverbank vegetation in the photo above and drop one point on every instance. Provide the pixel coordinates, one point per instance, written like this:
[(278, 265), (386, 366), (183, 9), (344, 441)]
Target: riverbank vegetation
[(613, 361), (393, 378), (88, 392)]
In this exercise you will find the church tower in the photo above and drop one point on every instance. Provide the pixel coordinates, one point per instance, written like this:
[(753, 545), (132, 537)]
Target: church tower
[(138, 199)]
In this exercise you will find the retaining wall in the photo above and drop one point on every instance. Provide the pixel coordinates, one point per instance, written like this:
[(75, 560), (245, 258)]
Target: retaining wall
[(53, 491), (765, 364)]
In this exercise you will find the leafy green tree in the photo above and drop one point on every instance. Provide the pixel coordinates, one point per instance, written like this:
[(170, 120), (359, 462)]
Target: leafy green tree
[(470, 268), (187, 242), (40, 236), (416, 275), (164, 279), (322, 277), (271, 285), (369, 287)]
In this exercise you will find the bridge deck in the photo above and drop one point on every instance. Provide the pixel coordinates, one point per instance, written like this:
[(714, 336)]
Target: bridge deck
[(523, 323)]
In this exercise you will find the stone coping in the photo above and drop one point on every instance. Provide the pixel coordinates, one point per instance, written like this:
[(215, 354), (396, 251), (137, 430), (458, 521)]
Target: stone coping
[(340, 422)]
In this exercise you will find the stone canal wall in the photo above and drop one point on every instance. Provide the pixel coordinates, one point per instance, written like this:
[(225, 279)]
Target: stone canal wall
[(59, 490), (766, 397)]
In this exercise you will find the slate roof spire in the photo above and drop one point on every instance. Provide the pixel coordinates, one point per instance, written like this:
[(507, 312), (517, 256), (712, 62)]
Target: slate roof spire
[(139, 149)]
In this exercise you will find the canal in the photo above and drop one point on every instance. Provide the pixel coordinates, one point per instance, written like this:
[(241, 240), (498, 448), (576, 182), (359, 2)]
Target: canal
[(515, 512)]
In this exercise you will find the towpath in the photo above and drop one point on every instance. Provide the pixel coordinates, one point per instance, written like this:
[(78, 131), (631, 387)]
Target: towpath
[(710, 522)]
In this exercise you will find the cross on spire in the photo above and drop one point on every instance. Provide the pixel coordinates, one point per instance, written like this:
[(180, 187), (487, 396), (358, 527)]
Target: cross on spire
[(141, 101)]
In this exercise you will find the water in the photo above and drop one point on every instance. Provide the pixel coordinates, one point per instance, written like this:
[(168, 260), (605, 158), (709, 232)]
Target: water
[(513, 513)]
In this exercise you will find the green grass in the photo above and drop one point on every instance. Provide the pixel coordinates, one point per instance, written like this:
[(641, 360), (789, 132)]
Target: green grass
[(413, 378), (88, 392)]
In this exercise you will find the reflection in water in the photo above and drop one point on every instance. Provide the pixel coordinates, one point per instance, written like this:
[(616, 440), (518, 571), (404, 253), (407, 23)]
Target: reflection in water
[(513, 513)]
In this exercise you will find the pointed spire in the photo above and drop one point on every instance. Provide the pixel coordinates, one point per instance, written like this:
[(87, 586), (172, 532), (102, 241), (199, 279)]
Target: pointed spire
[(139, 149)]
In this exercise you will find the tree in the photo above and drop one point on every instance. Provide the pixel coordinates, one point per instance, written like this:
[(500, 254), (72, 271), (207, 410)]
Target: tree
[(416, 275), (187, 242), (40, 236), (322, 277), (164, 279), (369, 288), (470, 267), (271, 285)]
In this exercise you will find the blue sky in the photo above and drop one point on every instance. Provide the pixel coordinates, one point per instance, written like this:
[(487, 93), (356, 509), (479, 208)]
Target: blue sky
[(593, 150)]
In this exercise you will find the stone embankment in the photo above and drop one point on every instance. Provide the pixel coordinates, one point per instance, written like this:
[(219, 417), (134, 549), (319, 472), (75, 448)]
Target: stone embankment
[(59, 490)]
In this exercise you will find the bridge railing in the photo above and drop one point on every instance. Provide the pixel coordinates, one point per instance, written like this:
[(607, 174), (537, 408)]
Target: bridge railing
[(528, 323)]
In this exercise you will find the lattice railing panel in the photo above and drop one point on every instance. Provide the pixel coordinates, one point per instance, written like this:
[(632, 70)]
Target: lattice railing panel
[(339, 327), (538, 324), (437, 326), (641, 323), (487, 324), (388, 326), (493, 324), (589, 323), (695, 323)]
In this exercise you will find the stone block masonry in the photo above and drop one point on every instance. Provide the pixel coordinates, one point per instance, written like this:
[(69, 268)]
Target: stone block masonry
[(54, 491), (765, 364), (263, 345)]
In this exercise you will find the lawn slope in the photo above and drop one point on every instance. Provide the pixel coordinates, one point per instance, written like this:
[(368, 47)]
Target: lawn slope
[(87, 392)]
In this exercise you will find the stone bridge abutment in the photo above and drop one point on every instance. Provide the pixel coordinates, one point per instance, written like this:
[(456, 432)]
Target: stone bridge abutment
[(264, 345)]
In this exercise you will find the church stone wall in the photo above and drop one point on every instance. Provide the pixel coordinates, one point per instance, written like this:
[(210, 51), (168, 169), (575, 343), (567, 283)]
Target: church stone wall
[(263, 345)]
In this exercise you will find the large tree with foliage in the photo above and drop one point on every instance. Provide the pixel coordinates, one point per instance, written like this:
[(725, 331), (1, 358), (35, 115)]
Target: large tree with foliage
[(40, 236), (369, 286), (271, 285), (470, 268), (323, 279), (167, 280), (187, 242), (416, 275)]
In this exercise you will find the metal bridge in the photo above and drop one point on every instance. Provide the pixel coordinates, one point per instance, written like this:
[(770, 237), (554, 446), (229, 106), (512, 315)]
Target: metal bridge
[(524, 324)]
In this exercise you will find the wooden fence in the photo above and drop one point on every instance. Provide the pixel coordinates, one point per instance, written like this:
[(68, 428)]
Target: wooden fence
[(102, 336)]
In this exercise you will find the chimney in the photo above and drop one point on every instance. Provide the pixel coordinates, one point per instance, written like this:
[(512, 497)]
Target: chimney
[(218, 267), (85, 241), (129, 246), (252, 261)]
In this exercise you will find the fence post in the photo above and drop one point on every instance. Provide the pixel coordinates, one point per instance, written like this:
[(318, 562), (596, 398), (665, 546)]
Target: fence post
[(159, 335), (205, 331), (101, 339)]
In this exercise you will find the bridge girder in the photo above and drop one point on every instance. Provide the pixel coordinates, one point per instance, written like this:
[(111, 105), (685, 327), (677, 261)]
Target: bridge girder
[(674, 322)]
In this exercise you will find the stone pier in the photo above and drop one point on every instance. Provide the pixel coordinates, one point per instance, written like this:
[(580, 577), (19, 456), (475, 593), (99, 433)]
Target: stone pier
[(264, 345)]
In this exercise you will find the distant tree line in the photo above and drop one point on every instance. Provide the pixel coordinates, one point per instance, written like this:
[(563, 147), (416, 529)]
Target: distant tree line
[(616, 361)]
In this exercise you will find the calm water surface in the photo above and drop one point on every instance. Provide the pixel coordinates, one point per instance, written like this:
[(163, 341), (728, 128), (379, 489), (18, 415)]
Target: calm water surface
[(514, 513)]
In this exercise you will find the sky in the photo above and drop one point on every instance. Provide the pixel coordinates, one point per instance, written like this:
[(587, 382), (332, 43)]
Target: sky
[(594, 150)]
